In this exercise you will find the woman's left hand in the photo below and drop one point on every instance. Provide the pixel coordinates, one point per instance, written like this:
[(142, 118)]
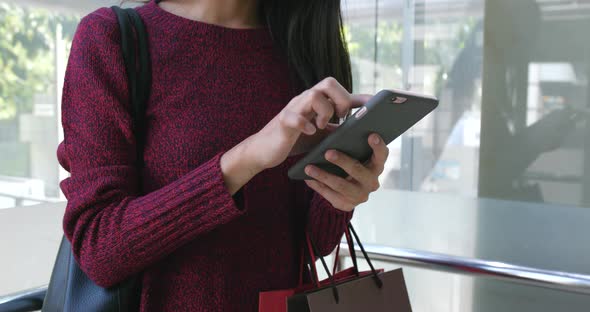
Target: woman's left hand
[(346, 193)]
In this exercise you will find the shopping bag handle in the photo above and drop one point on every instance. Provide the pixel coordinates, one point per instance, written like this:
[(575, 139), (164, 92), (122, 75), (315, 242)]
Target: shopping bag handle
[(350, 244), (308, 258), (314, 254), (315, 250), (378, 280)]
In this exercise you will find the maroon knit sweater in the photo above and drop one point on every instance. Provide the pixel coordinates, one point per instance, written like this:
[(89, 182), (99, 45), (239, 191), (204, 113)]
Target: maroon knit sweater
[(196, 247)]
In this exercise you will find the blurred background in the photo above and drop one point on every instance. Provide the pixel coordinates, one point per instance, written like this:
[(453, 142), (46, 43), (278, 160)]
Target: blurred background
[(500, 171)]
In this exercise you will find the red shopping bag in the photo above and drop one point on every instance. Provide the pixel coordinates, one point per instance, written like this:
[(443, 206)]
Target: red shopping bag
[(347, 290), (276, 301)]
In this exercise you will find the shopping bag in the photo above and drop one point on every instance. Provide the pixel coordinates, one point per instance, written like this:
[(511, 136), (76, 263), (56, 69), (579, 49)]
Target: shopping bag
[(357, 294), (276, 300), (347, 290)]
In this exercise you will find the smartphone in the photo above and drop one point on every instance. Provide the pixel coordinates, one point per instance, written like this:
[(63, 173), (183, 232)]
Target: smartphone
[(389, 113)]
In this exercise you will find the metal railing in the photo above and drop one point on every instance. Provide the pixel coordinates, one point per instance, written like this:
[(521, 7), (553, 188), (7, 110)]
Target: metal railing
[(28, 300), (20, 199), (563, 281)]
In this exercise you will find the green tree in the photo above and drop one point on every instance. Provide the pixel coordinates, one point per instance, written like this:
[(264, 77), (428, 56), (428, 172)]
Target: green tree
[(441, 52), (361, 41), (27, 58)]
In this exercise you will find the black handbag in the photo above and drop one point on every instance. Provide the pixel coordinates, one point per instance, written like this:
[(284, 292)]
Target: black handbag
[(70, 289)]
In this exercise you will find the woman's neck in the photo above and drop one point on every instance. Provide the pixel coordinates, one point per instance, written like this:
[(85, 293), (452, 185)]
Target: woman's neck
[(226, 13)]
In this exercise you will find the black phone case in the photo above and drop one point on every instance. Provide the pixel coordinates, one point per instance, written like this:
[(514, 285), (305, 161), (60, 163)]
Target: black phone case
[(389, 113)]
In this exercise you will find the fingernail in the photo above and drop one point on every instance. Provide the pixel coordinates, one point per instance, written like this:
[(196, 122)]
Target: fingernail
[(331, 155), (310, 171), (309, 128), (376, 139)]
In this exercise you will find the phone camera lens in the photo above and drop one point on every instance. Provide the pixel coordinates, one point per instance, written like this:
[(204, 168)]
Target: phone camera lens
[(399, 100)]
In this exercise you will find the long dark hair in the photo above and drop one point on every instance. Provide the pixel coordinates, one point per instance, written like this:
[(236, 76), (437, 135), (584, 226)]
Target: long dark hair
[(310, 34)]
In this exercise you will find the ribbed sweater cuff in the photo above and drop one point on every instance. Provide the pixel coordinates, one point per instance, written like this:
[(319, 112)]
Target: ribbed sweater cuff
[(192, 205)]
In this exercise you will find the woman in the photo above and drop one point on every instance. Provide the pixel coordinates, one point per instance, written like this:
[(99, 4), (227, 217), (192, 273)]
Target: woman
[(238, 87)]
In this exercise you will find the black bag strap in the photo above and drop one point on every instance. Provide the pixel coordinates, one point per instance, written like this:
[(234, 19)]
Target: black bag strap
[(135, 48), (69, 287)]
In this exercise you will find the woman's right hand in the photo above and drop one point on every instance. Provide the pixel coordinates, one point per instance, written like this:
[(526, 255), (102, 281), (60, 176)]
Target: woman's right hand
[(303, 122), (308, 113)]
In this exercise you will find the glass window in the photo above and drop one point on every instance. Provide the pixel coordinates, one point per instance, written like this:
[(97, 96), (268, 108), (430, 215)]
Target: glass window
[(35, 38), (34, 45), (512, 129), (501, 169), (433, 47)]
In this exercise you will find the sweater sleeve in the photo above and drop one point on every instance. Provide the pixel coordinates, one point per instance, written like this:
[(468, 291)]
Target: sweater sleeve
[(326, 223), (114, 231)]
